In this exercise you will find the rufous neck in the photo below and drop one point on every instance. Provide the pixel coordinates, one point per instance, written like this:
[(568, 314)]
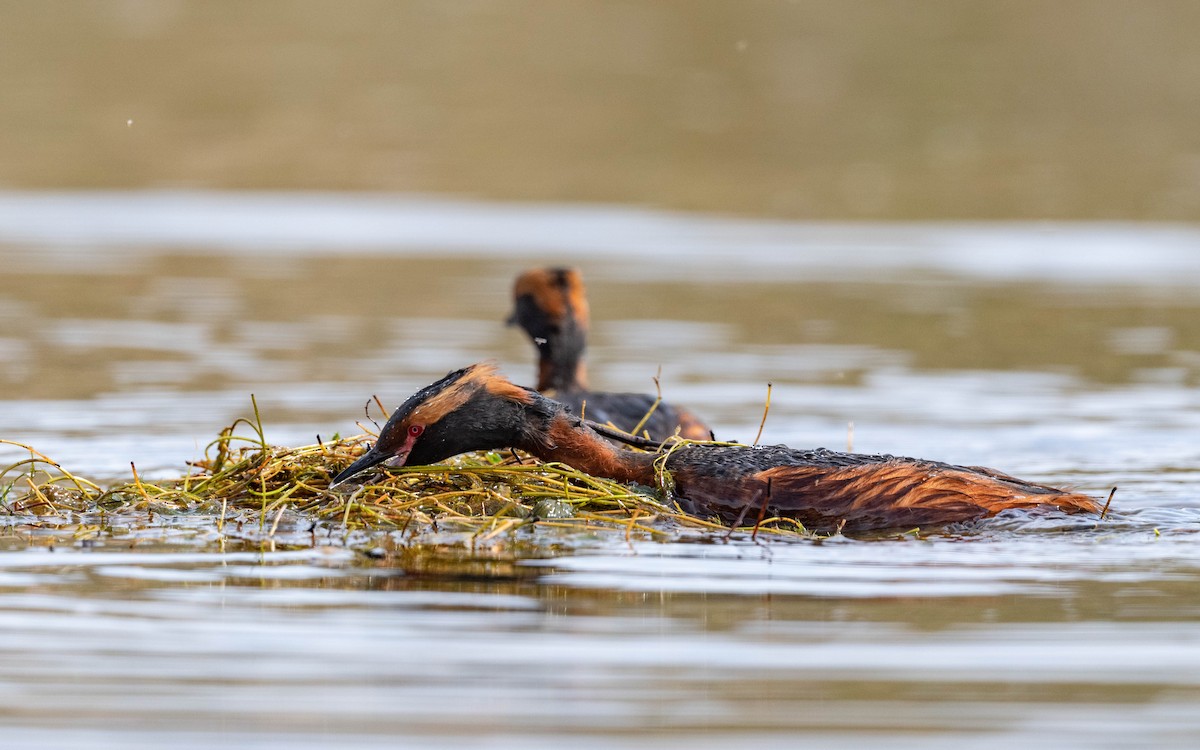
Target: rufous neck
[(578, 446)]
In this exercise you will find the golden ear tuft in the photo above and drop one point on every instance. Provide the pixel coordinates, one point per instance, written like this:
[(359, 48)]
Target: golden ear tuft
[(480, 376), (505, 389)]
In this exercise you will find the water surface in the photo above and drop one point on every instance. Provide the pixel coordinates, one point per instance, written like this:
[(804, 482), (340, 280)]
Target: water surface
[(1063, 353)]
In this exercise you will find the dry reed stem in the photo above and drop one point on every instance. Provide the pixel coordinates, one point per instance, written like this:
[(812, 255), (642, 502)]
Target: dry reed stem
[(637, 429), (766, 411)]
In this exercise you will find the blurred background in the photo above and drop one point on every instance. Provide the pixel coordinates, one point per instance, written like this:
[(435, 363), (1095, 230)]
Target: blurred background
[(931, 109)]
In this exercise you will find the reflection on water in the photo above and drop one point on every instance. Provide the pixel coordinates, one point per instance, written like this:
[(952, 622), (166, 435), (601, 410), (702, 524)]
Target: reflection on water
[(987, 641), (961, 343)]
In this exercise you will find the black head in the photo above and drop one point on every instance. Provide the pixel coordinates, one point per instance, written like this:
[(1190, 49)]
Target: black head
[(470, 409), (551, 305)]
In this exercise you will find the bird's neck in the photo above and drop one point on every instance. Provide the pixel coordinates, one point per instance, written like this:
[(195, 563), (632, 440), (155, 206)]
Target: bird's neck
[(572, 443), (560, 359), (563, 377)]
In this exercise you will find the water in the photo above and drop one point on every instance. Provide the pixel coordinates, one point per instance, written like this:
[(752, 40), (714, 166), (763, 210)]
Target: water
[(1078, 642), (1062, 353)]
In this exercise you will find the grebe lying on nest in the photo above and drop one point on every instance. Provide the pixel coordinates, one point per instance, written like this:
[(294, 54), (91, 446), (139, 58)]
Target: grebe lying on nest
[(477, 409)]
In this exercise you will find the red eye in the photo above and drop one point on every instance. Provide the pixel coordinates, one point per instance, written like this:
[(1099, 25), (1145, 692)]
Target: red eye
[(416, 430)]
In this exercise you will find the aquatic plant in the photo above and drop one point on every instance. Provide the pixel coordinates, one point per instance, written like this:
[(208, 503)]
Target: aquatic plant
[(244, 478)]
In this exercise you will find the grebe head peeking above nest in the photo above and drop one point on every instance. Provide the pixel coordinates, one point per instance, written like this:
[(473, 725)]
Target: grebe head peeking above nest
[(551, 305), (477, 409)]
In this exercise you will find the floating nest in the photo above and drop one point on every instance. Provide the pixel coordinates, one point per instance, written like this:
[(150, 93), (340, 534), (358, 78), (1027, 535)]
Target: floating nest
[(244, 479)]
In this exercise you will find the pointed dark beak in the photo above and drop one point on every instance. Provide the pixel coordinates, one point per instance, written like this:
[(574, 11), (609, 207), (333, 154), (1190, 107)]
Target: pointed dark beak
[(511, 320), (371, 458)]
